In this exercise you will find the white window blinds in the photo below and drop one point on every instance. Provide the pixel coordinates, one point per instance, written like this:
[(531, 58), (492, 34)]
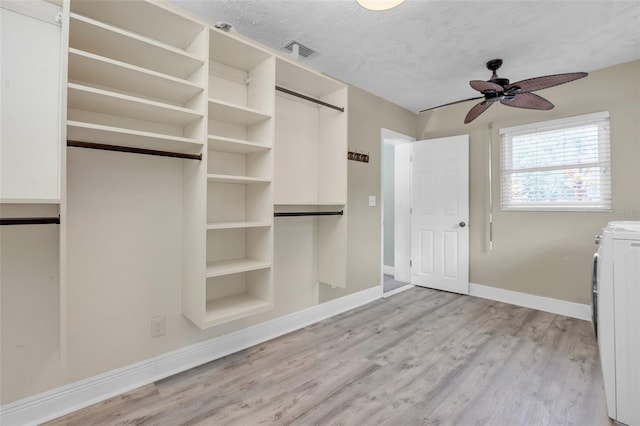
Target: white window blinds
[(557, 165)]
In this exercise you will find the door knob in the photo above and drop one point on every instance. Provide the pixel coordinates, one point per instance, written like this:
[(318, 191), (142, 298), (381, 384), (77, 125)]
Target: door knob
[(462, 224)]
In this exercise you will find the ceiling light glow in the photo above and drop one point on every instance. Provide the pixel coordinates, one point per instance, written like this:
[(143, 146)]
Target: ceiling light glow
[(379, 4)]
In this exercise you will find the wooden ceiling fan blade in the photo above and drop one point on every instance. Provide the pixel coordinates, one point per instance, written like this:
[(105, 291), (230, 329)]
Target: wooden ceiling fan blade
[(476, 111), (453, 103), (539, 83), (528, 101), (485, 86)]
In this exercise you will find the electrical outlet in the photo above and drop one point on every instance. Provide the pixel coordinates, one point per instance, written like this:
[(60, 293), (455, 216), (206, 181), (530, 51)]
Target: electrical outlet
[(158, 326)]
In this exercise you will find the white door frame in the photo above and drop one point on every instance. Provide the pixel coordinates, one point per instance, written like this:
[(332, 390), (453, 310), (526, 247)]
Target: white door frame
[(392, 138)]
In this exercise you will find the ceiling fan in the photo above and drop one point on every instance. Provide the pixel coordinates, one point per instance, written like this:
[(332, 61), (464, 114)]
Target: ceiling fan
[(516, 94)]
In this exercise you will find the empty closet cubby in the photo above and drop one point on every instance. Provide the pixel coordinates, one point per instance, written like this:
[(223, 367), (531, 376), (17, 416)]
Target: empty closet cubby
[(133, 82), (234, 296), (311, 139)]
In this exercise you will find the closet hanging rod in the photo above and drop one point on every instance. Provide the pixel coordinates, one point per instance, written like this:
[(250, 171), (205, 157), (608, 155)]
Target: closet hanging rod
[(30, 221), (293, 214), (118, 148), (308, 98)]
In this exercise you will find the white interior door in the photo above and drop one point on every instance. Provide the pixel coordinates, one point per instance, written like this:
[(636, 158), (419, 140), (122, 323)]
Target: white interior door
[(440, 214)]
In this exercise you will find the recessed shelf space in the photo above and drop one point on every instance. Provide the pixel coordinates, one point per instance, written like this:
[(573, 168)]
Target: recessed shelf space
[(87, 98), (237, 295), (240, 81), (305, 81), (254, 166), (146, 18), (238, 114), (232, 205), (234, 307), (239, 146), (311, 139), (234, 266), (96, 133), (92, 36), (229, 50), (90, 69)]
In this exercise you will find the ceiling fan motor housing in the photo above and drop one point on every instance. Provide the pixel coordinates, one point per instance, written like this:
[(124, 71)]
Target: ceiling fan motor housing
[(504, 82)]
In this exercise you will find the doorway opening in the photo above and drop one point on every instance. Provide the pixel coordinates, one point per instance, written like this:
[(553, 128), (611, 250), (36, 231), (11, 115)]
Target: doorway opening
[(395, 204)]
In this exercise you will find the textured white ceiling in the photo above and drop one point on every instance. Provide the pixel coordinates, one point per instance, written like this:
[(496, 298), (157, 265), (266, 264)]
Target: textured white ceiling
[(423, 53)]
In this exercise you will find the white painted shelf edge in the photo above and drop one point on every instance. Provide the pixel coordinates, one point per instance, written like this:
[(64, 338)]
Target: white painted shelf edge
[(135, 36), (96, 133), (182, 90), (233, 307), (233, 145), (234, 266), (234, 225), (225, 111), (236, 179), (105, 101)]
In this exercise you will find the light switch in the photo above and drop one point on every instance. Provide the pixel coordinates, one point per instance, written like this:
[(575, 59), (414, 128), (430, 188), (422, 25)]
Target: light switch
[(372, 200)]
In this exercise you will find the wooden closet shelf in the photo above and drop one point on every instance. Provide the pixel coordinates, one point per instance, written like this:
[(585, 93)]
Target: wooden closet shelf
[(96, 133), (95, 69), (217, 178), (106, 102), (236, 146), (236, 225), (148, 18), (107, 40), (231, 113), (233, 307), (234, 266)]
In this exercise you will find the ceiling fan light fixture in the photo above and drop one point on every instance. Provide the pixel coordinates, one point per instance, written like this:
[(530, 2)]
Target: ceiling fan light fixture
[(379, 4)]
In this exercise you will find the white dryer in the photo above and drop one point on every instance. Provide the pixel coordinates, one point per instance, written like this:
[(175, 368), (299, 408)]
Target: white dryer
[(616, 304)]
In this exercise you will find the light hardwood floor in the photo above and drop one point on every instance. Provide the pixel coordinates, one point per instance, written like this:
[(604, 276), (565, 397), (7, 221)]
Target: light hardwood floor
[(419, 357), (389, 284)]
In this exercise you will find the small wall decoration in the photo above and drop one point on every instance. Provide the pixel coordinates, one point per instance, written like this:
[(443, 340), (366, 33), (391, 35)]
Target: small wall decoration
[(358, 156)]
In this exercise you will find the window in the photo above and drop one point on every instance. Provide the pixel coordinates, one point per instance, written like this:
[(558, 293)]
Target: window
[(557, 165)]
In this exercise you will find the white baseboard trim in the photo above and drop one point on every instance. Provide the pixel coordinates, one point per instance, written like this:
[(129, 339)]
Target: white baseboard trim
[(74, 396), (388, 270), (546, 304)]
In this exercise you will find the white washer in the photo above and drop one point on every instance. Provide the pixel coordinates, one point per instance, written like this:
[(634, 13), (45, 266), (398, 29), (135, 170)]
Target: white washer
[(616, 306)]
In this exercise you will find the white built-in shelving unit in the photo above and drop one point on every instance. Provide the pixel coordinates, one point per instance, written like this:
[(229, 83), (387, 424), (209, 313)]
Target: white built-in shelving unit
[(131, 84), (142, 75), (311, 162), (137, 79), (238, 280)]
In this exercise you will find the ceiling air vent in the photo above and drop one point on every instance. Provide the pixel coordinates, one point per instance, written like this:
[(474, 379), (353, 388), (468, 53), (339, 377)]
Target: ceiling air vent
[(303, 50)]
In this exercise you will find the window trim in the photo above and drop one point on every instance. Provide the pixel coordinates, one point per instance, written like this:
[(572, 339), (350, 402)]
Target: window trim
[(545, 126)]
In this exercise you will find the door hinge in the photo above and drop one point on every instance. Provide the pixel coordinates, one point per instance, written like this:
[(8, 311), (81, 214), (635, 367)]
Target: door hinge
[(411, 263), (410, 210)]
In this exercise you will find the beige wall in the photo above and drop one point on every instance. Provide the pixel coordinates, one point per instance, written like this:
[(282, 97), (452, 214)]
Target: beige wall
[(547, 253), (368, 114)]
